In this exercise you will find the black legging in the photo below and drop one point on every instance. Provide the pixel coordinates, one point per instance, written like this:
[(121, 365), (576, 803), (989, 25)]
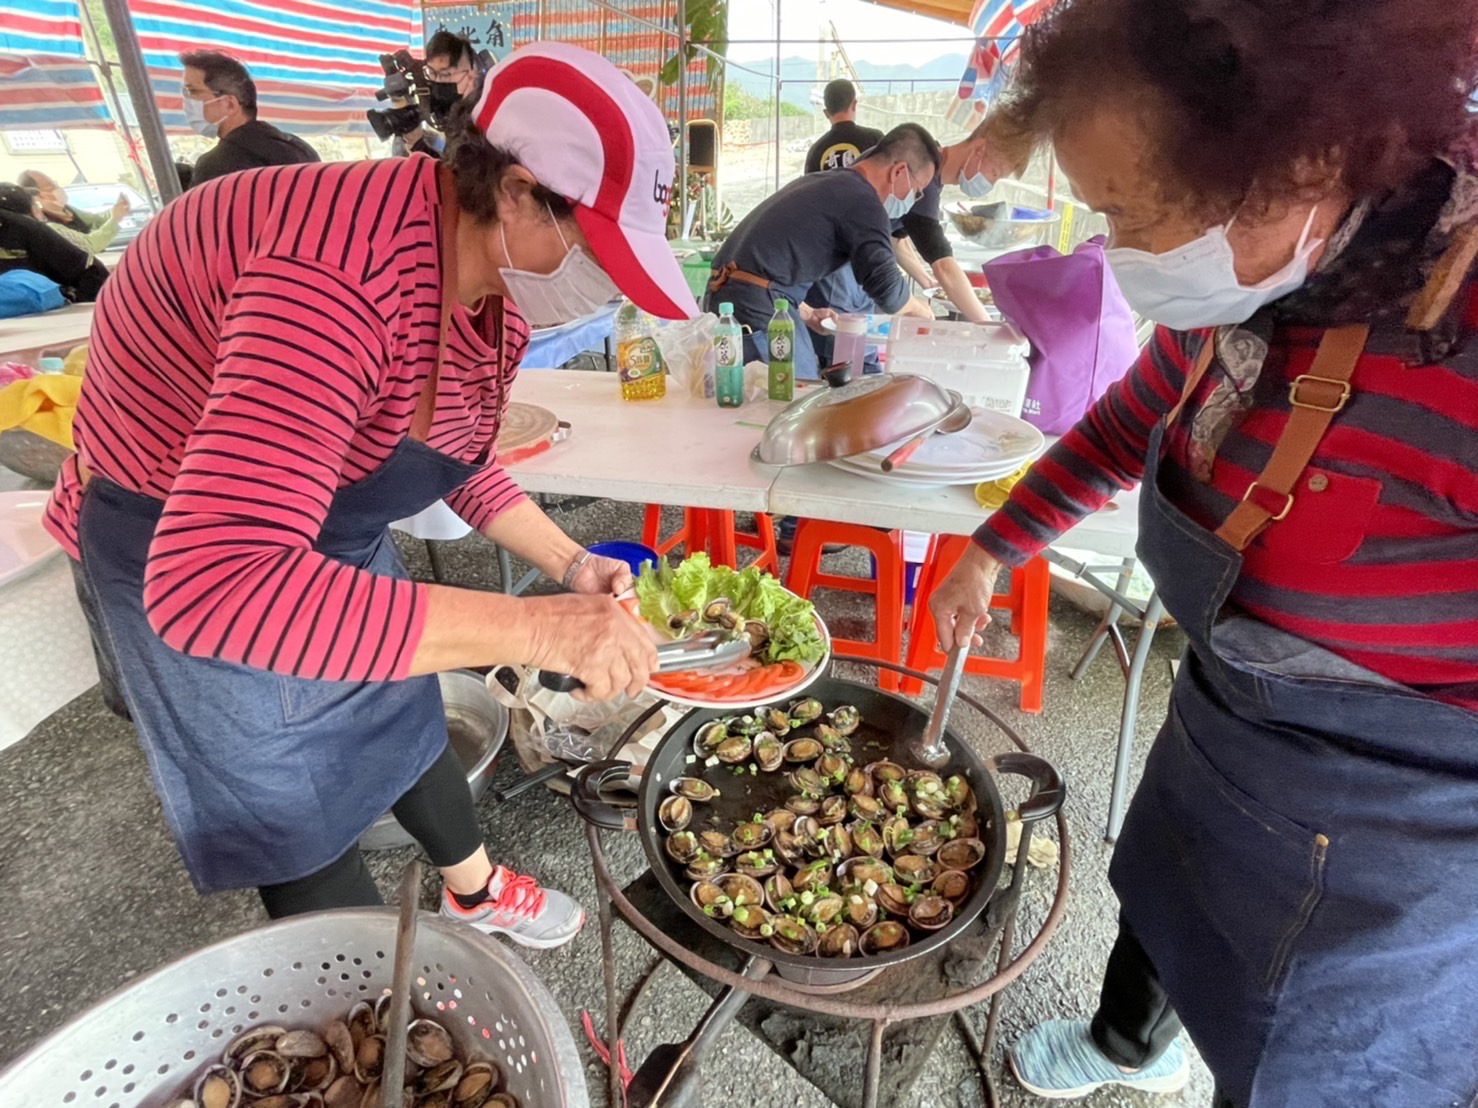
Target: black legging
[(437, 811)]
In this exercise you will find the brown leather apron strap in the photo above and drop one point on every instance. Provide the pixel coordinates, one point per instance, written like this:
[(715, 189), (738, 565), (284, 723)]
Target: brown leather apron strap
[(1198, 371), (730, 271), (451, 210), (1316, 397)]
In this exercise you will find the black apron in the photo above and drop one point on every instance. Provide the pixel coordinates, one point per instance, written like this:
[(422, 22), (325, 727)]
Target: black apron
[(1300, 860), (266, 778)]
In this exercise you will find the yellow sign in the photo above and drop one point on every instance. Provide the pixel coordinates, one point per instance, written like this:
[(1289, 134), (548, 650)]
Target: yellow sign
[(1065, 233)]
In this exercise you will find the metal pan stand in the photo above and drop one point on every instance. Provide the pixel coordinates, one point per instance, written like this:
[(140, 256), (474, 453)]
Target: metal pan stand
[(677, 1090)]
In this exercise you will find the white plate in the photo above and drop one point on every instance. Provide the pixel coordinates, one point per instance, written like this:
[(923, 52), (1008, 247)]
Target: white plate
[(929, 480), (993, 439), (24, 543), (811, 671)]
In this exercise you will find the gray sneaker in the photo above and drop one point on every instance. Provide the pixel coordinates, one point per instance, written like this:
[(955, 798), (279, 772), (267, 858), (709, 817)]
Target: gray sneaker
[(522, 910), (1059, 1060)]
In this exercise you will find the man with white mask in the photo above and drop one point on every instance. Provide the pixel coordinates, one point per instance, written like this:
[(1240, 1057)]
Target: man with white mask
[(219, 100), (293, 358)]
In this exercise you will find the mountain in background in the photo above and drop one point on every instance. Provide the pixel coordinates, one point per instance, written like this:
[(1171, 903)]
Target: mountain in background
[(799, 75)]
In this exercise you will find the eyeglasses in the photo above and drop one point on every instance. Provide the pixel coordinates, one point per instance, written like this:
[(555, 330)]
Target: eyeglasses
[(916, 193), (447, 76)]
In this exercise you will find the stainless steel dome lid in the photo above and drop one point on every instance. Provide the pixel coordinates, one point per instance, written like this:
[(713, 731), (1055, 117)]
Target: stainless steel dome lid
[(840, 421)]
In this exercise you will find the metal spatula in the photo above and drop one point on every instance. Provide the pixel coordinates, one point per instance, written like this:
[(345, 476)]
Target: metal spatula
[(707, 650)]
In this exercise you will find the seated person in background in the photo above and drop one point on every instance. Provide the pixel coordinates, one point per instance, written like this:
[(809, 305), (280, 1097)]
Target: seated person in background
[(817, 225), (220, 98), (97, 231), (30, 243), (94, 241), (453, 68), (846, 140)]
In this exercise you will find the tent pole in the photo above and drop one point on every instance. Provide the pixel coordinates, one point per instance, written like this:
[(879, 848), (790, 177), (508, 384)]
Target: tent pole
[(136, 77), (682, 116), (114, 103), (779, 86)]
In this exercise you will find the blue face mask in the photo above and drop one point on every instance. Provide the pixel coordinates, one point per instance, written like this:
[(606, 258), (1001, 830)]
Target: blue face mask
[(195, 116), (976, 185), (897, 206)]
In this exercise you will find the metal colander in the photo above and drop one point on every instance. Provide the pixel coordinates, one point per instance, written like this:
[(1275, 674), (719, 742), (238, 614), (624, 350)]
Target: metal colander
[(149, 1041)]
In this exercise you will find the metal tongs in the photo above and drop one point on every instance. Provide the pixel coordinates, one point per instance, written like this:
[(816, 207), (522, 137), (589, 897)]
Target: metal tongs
[(707, 650)]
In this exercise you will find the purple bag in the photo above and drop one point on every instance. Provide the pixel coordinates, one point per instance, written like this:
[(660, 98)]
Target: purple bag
[(1079, 325)]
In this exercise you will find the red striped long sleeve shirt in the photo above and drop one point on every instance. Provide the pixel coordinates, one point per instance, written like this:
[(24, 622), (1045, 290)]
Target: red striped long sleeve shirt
[(1377, 561), (260, 346)]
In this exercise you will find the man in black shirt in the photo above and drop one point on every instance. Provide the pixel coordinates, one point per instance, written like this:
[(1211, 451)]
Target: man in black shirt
[(220, 98), (28, 243), (846, 141), (816, 225)]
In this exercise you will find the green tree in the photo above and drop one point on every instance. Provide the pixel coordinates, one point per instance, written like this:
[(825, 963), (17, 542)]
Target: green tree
[(708, 23)]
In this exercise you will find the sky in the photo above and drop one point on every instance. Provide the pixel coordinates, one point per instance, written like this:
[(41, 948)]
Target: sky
[(854, 20)]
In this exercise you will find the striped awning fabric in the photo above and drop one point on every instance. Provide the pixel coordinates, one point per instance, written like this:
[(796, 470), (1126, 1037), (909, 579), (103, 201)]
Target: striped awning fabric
[(315, 62), (45, 80)]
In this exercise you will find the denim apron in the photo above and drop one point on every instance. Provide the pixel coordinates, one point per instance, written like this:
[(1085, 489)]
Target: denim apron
[(1300, 860), (263, 777)]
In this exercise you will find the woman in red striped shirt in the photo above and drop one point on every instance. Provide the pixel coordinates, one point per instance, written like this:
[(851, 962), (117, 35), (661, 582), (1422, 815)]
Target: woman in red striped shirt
[(285, 362), (1292, 193)]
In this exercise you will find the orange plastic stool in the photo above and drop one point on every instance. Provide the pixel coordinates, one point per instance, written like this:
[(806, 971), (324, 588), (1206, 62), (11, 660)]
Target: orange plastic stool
[(812, 536), (1027, 603), (712, 530)]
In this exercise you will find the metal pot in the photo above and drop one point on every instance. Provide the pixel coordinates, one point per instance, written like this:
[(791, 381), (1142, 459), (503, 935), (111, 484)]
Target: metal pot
[(889, 723), (32, 456), (477, 725)]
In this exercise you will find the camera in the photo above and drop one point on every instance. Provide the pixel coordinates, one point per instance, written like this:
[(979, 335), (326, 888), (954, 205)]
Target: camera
[(406, 87)]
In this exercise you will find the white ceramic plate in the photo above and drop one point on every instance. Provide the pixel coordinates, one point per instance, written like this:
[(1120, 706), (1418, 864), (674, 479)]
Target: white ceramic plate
[(24, 544), (809, 672), (871, 471), (993, 439)]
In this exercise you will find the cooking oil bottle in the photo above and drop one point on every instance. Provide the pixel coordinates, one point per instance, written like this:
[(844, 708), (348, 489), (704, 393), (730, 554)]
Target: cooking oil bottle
[(638, 361)]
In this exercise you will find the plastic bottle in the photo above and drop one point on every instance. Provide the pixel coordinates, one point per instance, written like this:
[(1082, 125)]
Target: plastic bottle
[(638, 361), (851, 342), (782, 352), (728, 359)]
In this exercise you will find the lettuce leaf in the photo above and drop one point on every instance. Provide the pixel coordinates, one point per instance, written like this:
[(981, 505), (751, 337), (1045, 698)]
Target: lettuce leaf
[(663, 591)]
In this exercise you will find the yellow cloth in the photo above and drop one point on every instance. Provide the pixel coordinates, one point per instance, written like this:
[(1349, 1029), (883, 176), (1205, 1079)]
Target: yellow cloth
[(44, 404), (992, 494)]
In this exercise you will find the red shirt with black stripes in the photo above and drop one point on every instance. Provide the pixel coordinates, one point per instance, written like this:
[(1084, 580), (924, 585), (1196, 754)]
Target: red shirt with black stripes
[(261, 345), (1377, 559)]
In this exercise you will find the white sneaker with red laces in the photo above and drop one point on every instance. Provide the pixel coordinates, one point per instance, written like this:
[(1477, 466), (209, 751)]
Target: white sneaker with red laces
[(520, 909)]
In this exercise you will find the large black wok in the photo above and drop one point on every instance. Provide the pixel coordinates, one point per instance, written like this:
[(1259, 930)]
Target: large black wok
[(889, 724)]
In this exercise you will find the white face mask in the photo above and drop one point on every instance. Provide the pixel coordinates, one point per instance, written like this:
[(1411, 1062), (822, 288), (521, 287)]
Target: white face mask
[(1196, 285), (576, 288), (195, 115)]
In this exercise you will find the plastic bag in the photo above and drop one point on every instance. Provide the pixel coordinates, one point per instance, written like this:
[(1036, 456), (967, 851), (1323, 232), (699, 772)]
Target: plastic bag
[(554, 726), (687, 348)]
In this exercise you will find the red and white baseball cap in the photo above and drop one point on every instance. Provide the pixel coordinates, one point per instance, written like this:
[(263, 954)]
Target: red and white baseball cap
[(586, 131)]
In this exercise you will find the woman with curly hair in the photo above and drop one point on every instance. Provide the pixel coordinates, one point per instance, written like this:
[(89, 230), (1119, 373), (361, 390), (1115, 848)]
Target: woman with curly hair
[(1291, 193)]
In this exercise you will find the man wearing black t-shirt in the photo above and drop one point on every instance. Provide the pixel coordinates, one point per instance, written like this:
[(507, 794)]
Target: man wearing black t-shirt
[(846, 141)]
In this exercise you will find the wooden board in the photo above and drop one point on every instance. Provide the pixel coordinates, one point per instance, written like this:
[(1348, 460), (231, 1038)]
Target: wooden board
[(527, 430)]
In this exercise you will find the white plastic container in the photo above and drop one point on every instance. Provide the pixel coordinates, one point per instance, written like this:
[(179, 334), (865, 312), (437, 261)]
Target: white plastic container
[(984, 362)]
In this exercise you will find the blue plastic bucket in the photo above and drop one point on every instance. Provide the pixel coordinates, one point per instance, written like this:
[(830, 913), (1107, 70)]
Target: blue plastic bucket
[(632, 553)]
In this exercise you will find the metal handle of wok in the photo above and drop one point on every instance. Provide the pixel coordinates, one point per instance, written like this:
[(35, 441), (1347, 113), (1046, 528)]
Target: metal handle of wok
[(1048, 788), (591, 782), (931, 749)]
